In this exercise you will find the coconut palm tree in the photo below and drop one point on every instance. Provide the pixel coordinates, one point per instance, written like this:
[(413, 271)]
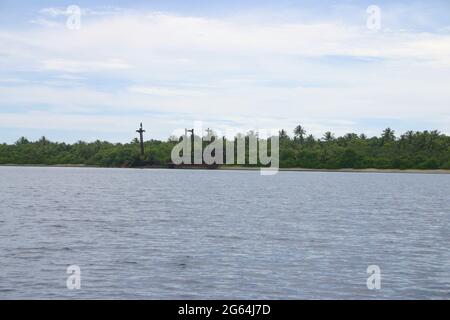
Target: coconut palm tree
[(434, 135), (283, 135), (22, 140), (299, 133), (310, 140), (388, 135), (328, 136)]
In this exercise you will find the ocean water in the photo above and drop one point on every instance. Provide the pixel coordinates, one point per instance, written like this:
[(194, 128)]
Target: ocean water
[(208, 234)]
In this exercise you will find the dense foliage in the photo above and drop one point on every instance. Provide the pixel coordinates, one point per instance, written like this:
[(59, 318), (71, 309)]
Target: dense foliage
[(412, 150)]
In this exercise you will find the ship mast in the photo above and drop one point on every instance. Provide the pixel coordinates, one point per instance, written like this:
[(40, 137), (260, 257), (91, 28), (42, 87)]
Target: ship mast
[(141, 135)]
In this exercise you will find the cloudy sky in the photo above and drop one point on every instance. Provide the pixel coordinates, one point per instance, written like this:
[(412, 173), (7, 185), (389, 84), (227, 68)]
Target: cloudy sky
[(230, 64)]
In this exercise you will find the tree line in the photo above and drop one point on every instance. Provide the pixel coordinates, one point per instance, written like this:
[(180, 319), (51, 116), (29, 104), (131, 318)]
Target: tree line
[(410, 150)]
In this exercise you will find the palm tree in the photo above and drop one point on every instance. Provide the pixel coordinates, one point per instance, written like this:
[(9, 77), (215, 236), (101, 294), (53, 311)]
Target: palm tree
[(22, 140), (388, 135), (43, 140), (435, 133), (433, 136), (409, 135), (350, 136), (283, 135), (328, 136), (299, 132), (310, 139)]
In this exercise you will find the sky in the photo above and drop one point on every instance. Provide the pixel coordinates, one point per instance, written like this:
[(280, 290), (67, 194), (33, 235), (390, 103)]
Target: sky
[(231, 65)]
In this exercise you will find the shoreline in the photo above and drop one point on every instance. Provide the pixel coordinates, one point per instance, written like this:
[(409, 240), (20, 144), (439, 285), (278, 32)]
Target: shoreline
[(350, 170), (240, 168)]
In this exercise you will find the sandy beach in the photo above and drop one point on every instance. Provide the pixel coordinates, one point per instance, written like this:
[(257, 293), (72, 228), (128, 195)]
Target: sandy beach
[(233, 168)]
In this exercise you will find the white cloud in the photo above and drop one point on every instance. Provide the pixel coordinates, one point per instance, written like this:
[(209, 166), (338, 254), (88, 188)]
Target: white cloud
[(165, 92), (12, 80), (248, 73), (47, 23), (102, 11), (54, 12), (159, 34), (76, 66)]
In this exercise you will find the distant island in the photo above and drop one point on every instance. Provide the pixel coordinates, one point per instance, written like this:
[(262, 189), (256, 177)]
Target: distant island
[(411, 150)]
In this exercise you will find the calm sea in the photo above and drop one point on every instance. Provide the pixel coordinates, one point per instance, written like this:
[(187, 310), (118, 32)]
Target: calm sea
[(199, 234)]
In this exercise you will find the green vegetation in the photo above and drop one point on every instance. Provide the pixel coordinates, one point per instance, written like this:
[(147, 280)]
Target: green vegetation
[(412, 150)]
